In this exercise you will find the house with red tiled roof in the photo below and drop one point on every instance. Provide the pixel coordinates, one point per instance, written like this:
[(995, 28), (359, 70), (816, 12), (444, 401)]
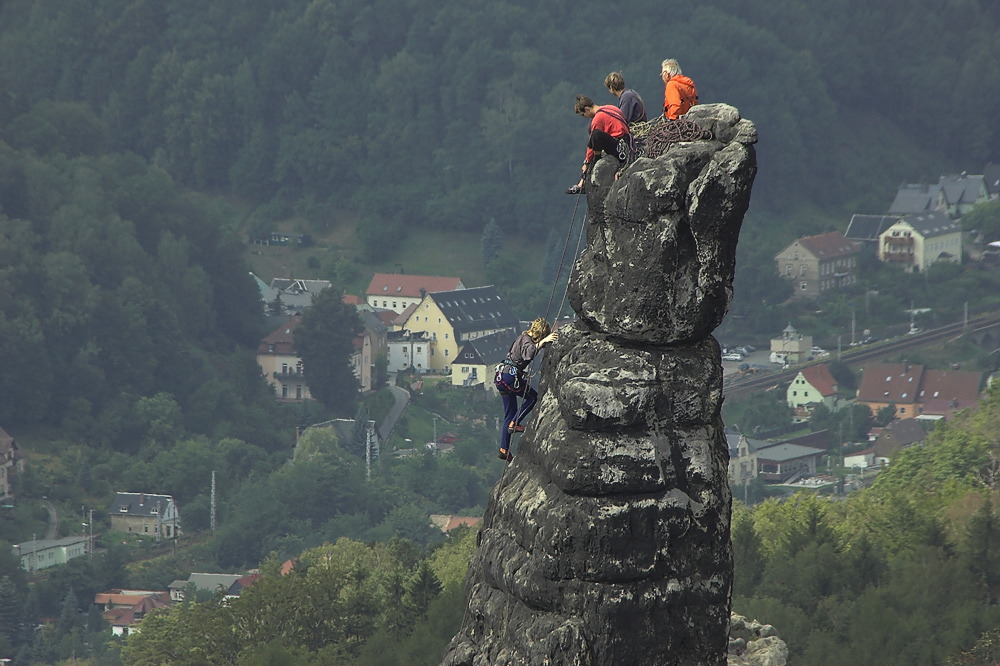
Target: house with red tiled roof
[(916, 392), (944, 392), (448, 523), (818, 264), (392, 291), (813, 385), (124, 609)]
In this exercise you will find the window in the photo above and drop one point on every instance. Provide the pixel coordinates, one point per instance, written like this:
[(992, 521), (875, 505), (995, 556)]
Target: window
[(902, 410), (284, 390), (803, 286), (445, 336), (394, 305), (802, 270), (439, 320), (419, 350), (447, 353), (284, 368), (788, 269), (298, 391)]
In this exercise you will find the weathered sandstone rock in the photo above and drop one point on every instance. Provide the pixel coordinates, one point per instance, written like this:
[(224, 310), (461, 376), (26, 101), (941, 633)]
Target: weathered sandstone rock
[(607, 539)]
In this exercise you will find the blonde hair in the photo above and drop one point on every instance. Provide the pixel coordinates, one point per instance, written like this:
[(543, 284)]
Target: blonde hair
[(614, 82), (539, 329)]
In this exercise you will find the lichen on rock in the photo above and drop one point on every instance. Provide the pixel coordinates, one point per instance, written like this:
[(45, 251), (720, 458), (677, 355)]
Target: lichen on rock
[(606, 541)]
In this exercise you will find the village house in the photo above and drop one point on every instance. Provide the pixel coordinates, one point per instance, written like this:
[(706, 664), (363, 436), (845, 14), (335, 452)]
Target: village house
[(784, 462), (743, 458), (477, 359), (280, 363), (368, 347), (396, 291), (452, 318), (866, 229), (813, 385), (952, 195), (44, 553), (918, 393), (917, 241), (819, 264), (896, 436), (124, 609), (147, 514), (289, 296), (792, 347), (408, 350), (860, 460)]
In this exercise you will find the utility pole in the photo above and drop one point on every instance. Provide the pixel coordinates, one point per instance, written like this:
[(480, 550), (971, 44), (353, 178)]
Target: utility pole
[(965, 316), (212, 508), (852, 326), (368, 452)]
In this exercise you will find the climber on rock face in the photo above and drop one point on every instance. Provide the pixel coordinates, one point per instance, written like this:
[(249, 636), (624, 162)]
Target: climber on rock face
[(608, 134), (512, 383)]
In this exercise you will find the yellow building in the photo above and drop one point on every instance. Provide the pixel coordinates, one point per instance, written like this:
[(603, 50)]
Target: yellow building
[(917, 241), (452, 318)]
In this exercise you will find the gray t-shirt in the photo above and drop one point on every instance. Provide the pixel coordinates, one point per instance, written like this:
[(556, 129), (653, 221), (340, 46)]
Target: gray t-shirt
[(522, 351)]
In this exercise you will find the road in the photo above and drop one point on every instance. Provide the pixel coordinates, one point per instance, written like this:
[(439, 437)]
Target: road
[(52, 532), (402, 397)]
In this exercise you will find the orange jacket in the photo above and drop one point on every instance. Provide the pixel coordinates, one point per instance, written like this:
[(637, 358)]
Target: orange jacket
[(679, 96)]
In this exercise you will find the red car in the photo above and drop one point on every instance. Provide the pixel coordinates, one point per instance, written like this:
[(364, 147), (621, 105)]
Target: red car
[(447, 439)]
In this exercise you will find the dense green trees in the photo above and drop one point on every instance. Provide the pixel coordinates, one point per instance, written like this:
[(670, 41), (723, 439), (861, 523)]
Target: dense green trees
[(902, 573), (450, 116), (325, 341), (343, 603)]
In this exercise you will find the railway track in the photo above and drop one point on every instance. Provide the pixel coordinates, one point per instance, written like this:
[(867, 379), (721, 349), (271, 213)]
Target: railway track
[(744, 386)]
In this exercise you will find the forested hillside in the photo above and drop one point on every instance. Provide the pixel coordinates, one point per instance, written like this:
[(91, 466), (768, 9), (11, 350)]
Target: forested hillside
[(904, 573), (447, 114)]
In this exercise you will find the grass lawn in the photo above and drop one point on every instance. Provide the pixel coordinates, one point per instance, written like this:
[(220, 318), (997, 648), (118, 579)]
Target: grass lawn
[(425, 252)]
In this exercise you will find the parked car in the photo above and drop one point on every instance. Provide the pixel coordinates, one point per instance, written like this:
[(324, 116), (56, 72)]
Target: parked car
[(732, 356), (447, 439)]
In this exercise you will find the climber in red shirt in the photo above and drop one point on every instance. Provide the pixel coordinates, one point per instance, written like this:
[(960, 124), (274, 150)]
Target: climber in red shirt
[(608, 134), (679, 95)]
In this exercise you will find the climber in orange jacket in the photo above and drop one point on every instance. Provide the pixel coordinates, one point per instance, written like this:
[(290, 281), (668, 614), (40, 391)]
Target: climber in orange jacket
[(608, 134), (679, 95)]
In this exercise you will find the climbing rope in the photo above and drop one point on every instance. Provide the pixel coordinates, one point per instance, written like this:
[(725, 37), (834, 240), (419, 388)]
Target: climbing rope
[(657, 135)]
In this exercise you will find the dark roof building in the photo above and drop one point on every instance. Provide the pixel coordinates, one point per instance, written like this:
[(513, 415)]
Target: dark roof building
[(866, 228), (914, 198), (473, 310)]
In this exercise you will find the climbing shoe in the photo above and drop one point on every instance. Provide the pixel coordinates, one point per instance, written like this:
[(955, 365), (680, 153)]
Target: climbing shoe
[(514, 427), (506, 455), (576, 189)]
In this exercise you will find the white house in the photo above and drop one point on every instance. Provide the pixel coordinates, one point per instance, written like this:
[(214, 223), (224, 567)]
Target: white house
[(812, 385), (45, 553)]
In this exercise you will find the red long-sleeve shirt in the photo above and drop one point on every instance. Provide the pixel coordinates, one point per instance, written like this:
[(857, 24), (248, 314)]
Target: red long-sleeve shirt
[(608, 118)]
